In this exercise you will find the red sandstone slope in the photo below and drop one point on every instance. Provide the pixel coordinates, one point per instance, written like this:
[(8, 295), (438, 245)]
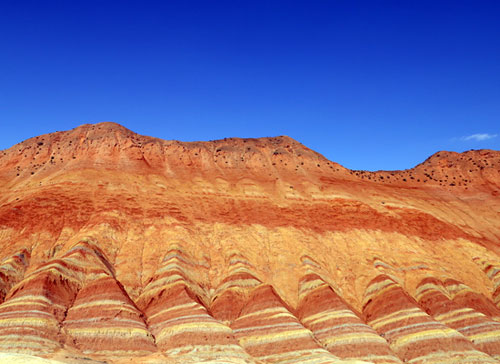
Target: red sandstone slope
[(119, 246)]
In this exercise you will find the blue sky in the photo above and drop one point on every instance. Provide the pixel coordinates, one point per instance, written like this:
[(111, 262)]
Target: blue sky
[(369, 84)]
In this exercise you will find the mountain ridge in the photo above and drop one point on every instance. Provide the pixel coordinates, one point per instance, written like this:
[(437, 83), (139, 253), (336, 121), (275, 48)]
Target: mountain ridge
[(152, 152)]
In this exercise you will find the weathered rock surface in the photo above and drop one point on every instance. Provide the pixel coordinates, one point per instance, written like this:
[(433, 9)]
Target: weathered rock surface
[(336, 326), (476, 326), (25, 359), (413, 334), (124, 248)]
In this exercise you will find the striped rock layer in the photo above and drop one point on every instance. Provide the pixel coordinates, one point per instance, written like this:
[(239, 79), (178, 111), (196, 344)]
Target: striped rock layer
[(463, 295), (492, 270), (476, 326), (32, 313), (12, 270), (104, 321), (74, 302), (336, 326), (269, 331), (178, 319), (234, 290), (413, 334)]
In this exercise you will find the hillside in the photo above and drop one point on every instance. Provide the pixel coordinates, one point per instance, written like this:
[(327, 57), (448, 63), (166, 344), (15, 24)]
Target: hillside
[(125, 248)]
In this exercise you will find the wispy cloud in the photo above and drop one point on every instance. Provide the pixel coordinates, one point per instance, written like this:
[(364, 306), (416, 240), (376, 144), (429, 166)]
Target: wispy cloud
[(479, 137)]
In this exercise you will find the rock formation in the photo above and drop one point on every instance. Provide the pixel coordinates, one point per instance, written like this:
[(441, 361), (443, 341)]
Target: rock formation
[(123, 248)]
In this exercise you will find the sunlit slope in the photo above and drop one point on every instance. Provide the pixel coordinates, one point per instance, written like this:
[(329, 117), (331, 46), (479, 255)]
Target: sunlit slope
[(119, 246)]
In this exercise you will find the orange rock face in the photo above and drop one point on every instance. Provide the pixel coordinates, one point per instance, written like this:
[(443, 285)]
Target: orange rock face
[(124, 248)]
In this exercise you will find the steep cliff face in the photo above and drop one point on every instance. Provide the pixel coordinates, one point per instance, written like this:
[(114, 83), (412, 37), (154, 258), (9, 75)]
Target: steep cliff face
[(128, 248)]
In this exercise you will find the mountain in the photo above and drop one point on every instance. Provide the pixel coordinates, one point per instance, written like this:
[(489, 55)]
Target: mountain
[(123, 248)]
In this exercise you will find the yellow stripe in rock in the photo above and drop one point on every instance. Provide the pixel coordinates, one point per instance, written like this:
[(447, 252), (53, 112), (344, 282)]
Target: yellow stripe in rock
[(164, 281), (24, 313), (282, 314), (380, 359), (113, 303), (456, 289), (194, 327), (453, 357), (55, 266), (197, 318), (328, 315), (174, 308), (26, 338), (97, 321), (353, 338), (265, 312), (421, 290), (447, 315), (462, 317), (485, 336), (376, 287), (283, 327), (30, 321), (122, 353), (380, 292), (109, 332), (310, 285), (23, 345), (398, 316), (30, 300), (268, 338), (424, 335), (301, 356), (217, 350), (243, 283)]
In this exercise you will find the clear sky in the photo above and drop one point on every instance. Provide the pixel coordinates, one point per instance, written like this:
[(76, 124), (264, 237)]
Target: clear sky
[(369, 84)]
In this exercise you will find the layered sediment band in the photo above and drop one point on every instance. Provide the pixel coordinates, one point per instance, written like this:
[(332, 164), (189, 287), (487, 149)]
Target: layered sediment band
[(178, 319), (269, 331), (476, 326), (30, 318), (492, 271), (412, 334), (233, 291), (103, 320), (12, 271), (463, 295), (336, 326)]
